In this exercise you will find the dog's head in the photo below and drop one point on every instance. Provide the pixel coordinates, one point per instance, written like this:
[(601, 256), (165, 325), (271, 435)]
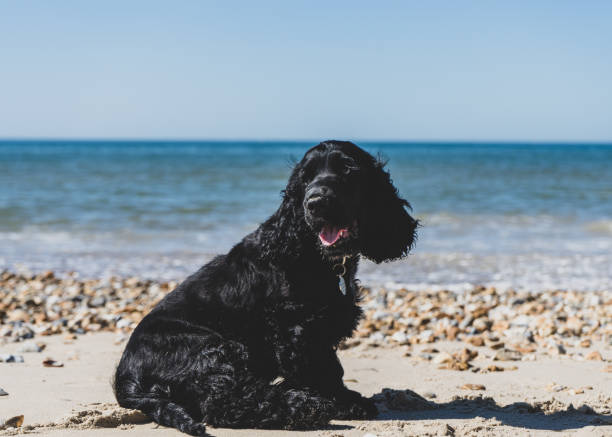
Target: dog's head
[(350, 203)]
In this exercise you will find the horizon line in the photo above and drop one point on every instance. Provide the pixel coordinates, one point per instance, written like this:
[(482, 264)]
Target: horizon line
[(301, 140)]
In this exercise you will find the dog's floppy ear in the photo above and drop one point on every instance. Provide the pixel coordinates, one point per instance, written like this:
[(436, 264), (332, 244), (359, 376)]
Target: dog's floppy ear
[(386, 229)]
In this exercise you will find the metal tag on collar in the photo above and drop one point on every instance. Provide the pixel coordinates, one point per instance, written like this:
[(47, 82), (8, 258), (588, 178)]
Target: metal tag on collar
[(342, 285), (340, 274)]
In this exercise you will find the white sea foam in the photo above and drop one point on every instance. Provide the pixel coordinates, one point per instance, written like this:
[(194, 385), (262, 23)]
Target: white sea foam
[(493, 250), (457, 271)]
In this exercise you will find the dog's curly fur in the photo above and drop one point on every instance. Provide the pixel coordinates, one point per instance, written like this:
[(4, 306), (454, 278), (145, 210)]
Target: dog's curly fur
[(212, 351)]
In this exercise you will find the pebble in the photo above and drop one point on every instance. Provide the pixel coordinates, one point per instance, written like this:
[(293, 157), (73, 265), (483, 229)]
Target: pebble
[(496, 345), (400, 337), (460, 360), (425, 356), (481, 324), (50, 362), (443, 357), (98, 301), (448, 430), (13, 422), (524, 348), (427, 336), (376, 337), (476, 340), (494, 368), (555, 348), (402, 400), (594, 356), (123, 323), (553, 387), (507, 355), (473, 387), (31, 346), (9, 358)]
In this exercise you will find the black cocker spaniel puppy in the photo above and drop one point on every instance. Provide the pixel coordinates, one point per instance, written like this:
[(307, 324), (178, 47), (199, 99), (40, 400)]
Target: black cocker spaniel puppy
[(249, 340)]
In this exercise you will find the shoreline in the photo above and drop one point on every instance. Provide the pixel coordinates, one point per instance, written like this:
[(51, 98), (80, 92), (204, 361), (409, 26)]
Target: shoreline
[(477, 363), (47, 303)]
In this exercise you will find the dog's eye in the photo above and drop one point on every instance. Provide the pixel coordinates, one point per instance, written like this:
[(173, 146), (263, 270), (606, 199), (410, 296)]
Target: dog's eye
[(348, 167)]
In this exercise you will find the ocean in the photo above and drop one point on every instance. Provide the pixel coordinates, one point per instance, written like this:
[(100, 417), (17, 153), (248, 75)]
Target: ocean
[(527, 216)]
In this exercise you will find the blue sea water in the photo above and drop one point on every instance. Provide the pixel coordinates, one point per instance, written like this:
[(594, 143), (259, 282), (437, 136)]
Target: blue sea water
[(534, 216)]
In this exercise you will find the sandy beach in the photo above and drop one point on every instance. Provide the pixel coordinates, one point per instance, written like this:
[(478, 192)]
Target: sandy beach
[(431, 178), (438, 363), (77, 400)]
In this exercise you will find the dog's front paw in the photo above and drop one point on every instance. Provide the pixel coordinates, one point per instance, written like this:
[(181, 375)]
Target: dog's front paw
[(361, 408)]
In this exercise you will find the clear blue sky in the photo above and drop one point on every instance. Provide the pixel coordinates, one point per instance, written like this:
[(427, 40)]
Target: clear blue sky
[(422, 70)]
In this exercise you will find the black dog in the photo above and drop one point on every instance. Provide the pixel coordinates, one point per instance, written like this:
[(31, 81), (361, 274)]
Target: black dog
[(249, 341)]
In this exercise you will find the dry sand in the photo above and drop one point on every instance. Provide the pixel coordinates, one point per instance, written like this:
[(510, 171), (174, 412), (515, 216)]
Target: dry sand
[(537, 399)]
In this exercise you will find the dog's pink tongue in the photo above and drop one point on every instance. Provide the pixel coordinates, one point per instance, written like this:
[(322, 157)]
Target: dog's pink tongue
[(330, 234)]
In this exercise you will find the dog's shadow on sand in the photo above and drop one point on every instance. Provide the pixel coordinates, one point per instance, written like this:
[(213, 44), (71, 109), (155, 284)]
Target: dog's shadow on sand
[(547, 415)]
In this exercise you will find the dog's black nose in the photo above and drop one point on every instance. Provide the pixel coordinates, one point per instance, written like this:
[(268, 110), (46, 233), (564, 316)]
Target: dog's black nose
[(316, 204), (317, 199)]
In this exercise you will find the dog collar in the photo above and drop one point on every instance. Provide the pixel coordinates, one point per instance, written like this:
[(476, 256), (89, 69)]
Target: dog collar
[(340, 271)]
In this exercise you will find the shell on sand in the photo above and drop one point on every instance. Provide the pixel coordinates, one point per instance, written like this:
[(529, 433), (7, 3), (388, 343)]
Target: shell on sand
[(12, 422)]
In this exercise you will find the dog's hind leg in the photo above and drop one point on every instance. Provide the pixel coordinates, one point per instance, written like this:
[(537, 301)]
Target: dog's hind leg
[(257, 404)]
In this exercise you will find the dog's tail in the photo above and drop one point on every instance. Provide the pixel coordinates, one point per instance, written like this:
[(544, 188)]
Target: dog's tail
[(157, 407)]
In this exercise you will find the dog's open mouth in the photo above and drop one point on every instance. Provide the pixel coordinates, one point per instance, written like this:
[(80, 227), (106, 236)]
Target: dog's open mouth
[(330, 234)]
